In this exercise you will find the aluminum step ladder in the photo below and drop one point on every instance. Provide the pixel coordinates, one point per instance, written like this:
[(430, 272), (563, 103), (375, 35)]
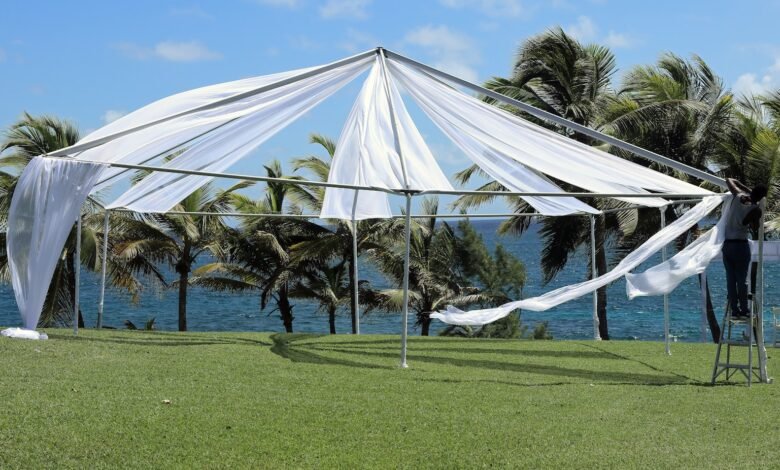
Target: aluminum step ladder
[(752, 336)]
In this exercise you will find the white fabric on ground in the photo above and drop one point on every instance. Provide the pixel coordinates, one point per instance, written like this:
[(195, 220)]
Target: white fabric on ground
[(46, 203), (255, 120), (21, 333), (558, 296), (484, 131), (366, 154)]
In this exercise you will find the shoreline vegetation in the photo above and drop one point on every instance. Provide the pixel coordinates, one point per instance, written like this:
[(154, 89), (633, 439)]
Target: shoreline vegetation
[(136, 399), (676, 107)]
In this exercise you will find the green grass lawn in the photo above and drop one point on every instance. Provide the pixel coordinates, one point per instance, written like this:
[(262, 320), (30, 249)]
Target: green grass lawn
[(263, 400)]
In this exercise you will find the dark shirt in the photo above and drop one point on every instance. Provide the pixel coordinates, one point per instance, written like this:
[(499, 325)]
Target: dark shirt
[(735, 230)]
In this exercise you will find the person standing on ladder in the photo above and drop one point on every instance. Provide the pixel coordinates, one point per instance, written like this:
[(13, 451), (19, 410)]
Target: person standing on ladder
[(744, 214)]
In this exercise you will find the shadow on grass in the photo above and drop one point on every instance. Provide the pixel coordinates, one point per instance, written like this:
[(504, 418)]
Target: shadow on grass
[(283, 347), (643, 363), (316, 352), (508, 352), (149, 340)]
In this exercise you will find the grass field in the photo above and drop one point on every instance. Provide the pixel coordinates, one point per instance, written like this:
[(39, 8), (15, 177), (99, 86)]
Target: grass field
[(264, 400)]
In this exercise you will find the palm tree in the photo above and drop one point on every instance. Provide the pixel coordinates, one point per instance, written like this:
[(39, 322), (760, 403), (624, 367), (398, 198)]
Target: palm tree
[(32, 136), (439, 274), (337, 245), (328, 286), (256, 257), (177, 240), (678, 108), (554, 72)]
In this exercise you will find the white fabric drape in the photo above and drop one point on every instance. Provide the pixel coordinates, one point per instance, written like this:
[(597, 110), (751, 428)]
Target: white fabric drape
[(138, 147), (254, 121), (366, 154), (485, 132), (693, 259), (564, 294), (507, 171), (46, 202)]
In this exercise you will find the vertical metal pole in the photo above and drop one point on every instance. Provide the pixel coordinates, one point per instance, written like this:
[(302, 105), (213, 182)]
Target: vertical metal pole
[(759, 301), (703, 323), (666, 296), (596, 334), (77, 262), (355, 286), (103, 272), (407, 228), (405, 313)]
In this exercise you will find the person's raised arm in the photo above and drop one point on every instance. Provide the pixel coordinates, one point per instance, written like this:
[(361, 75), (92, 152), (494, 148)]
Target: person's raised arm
[(736, 187)]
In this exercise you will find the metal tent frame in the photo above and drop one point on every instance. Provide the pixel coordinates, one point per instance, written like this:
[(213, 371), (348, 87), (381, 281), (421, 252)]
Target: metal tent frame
[(408, 193)]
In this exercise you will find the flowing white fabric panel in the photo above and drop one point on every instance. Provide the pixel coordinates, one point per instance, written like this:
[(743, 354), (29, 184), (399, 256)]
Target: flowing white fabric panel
[(507, 171), (366, 154), (558, 296), (693, 259), (46, 202), (269, 113), (494, 131), (140, 146)]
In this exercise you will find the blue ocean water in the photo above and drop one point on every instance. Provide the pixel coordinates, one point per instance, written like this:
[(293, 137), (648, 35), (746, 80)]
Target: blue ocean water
[(214, 311)]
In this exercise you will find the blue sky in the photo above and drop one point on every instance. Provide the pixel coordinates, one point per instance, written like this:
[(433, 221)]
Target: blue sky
[(92, 61)]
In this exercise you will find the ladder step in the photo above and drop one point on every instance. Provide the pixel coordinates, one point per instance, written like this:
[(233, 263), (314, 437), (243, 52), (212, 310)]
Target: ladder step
[(726, 365)]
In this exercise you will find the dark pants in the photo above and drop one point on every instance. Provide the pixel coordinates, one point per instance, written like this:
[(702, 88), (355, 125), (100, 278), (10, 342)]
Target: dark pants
[(736, 259)]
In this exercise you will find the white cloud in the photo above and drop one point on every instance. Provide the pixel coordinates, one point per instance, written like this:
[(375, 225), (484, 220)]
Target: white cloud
[(751, 84), (452, 52), (498, 8), (304, 43), (357, 41), (191, 12), (184, 51), (354, 9), (112, 115), (584, 29), (280, 3), (191, 51), (617, 40), (760, 82)]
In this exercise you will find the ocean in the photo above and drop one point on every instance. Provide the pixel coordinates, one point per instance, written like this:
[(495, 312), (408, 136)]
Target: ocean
[(640, 319)]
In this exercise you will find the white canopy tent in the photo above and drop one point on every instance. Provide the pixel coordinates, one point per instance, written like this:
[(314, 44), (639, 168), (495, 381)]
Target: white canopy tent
[(380, 152)]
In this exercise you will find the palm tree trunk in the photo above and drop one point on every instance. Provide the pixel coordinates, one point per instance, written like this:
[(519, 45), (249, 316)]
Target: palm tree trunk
[(285, 310), (332, 319), (712, 321), (426, 325), (183, 282), (601, 269), (183, 268)]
